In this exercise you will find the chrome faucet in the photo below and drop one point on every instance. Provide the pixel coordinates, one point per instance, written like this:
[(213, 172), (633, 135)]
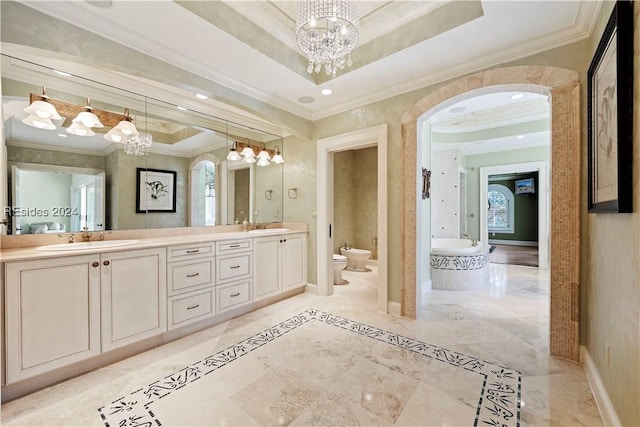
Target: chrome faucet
[(346, 246), (473, 242), (86, 234), (70, 238)]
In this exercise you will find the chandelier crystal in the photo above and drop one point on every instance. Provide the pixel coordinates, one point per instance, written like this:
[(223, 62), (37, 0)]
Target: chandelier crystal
[(327, 31), (137, 144)]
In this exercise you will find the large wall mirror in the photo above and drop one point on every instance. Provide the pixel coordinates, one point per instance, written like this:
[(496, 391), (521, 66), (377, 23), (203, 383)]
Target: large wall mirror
[(62, 182)]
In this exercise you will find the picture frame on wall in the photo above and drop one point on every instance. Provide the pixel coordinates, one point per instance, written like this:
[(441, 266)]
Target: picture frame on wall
[(155, 190), (610, 116)]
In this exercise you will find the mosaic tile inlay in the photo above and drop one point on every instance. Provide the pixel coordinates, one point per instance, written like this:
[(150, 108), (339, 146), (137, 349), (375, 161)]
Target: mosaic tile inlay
[(498, 402)]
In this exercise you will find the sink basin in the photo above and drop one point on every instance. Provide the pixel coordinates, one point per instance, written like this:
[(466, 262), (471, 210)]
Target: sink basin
[(269, 231), (86, 245)]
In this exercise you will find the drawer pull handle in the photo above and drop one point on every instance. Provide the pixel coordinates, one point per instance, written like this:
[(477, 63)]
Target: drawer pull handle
[(237, 294), (234, 246), (193, 275), (235, 266), (193, 306), (193, 251)]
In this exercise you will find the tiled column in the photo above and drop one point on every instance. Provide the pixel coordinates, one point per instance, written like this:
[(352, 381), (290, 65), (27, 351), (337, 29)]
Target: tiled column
[(565, 229), (408, 223)]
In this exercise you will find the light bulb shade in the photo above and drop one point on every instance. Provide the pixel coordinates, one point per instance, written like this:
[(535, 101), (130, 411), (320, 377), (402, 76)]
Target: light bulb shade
[(277, 159), (37, 122), (127, 128), (116, 135), (88, 119), (249, 160), (264, 155), (80, 130), (43, 109), (247, 152), (262, 162), (233, 155)]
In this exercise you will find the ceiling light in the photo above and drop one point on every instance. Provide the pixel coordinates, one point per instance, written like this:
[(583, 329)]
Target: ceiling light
[(326, 91), (326, 32), (306, 99), (137, 144), (201, 96), (181, 108), (516, 96)]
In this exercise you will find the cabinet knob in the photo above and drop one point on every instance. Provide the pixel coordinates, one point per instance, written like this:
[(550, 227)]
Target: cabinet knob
[(95, 264), (106, 263)]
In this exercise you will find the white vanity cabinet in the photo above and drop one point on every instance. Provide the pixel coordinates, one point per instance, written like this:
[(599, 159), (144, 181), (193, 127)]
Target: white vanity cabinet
[(190, 283), (280, 264), (134, 296), (234, 274), (52, 310)]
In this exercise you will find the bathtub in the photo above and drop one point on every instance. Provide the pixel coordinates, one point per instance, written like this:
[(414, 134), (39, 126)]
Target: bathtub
[(456, 264)]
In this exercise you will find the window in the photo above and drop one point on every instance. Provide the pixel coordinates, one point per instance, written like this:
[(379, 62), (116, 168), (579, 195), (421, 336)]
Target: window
[(501, 209)]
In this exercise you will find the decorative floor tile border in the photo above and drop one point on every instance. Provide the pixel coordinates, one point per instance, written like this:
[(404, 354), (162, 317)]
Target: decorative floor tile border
[(498, 404)]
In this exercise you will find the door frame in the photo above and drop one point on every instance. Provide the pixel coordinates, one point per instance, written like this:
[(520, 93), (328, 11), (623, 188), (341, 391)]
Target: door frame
[(543, 203), (369, 137)]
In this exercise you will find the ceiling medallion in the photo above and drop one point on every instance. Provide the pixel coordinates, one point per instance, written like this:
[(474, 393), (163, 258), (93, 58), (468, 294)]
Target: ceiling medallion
[(326, 32)]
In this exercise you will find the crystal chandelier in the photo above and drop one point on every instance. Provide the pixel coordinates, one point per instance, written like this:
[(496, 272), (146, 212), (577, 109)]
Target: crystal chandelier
[(137, 144), (327, 31)]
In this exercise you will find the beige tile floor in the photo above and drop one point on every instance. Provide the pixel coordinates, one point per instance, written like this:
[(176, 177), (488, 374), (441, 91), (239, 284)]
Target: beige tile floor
[(319, 374)]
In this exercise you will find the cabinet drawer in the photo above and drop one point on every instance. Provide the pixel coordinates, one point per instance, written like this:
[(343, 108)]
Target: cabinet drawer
[(233, 295), (190, 275), (187, 309), (233, 246), (177, 253), (233, 267)]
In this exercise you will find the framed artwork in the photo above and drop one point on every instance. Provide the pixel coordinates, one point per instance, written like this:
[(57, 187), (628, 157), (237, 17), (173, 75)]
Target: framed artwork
[(610, 116), (155, 190)]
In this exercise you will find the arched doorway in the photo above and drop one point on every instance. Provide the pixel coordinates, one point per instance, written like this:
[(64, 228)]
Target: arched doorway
[(204, 199), (563, 87)]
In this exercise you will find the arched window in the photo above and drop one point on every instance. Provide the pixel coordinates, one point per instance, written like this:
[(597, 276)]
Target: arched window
[(501, 209)]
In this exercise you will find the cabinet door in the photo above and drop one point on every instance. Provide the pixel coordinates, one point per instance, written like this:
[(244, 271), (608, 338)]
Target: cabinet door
[(293, 261), (266, 279), (52, 314), (134, 296)]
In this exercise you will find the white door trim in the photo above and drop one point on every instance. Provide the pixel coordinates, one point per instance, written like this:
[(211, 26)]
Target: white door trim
[(543, 203), (373, 136)]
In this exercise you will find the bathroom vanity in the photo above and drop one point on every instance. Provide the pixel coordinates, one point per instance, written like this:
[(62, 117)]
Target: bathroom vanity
[(68, 311)]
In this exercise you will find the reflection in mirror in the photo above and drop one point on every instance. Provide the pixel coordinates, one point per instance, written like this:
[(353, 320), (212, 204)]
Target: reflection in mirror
[(191, 143)]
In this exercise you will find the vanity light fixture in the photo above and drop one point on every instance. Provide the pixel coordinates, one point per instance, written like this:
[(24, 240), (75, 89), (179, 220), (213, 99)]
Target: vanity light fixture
[(248, 154), (41, 112), (78, 129), (87, 119), (263, 157), (277, 158), (233, 155), (123, 130)]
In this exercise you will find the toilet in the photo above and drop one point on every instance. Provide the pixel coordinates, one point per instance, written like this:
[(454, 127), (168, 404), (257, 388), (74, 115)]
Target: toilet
[(356, 258), (339, 263)]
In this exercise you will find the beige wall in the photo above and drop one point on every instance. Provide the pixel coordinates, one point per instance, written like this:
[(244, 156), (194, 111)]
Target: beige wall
[(355, 201), (611, 276)]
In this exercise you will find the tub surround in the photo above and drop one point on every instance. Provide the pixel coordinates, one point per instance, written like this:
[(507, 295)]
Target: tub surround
[(458, 264)]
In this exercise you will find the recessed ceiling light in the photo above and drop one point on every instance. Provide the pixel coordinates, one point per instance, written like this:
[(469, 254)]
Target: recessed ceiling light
[(520, 137), (62, 135), (201, 96), (62, 73), (326, 91), (181, 108), (306, 99), (516, 96), (458, 109)]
